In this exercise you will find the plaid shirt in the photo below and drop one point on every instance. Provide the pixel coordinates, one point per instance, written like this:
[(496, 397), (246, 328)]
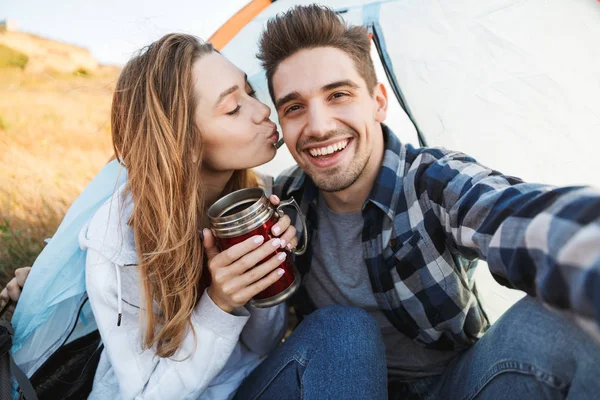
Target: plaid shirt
[(432, 213)]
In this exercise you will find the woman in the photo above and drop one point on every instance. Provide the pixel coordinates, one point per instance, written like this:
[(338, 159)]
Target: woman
[(187, 127)]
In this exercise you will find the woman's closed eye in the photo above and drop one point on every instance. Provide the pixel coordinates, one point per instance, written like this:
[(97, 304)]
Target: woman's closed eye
[(235, 111), (250, 90), (252, 93)]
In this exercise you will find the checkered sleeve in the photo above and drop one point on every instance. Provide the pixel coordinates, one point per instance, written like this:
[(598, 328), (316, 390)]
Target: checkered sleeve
[(284, 181), (537, 238)]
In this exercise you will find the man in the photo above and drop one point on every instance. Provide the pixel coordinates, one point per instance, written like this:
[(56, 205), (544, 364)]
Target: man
[(395, 230)]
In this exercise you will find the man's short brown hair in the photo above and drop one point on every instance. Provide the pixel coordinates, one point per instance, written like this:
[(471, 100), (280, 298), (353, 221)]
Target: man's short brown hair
[(308, 27)]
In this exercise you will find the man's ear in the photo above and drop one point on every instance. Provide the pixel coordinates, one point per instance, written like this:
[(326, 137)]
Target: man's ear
[(381, 100)]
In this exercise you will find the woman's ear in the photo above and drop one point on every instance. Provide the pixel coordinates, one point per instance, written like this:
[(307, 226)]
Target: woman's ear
[(381, 101)]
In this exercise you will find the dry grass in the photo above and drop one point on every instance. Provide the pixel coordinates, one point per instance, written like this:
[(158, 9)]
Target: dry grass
[(12, 58), (54, 137)]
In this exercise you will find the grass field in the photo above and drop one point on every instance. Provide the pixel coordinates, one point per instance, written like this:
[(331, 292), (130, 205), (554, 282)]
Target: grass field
[(54, 137)]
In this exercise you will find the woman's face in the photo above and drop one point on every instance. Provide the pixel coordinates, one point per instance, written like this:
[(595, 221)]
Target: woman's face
[(235, 126)]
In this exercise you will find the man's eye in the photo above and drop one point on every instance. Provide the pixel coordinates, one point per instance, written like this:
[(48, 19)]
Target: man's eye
[(235, 111), (291, 109), (338, 95)]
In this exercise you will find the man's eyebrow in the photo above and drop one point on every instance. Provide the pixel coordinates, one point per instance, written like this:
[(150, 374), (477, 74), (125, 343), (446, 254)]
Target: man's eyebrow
[(338, 84), (330, 86), (286, 99)]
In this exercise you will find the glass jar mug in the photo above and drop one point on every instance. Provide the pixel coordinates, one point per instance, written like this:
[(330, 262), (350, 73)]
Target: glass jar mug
[(248, 212)]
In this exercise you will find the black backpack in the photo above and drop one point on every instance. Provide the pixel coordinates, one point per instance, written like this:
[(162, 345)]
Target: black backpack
[(67, 374), (8, 368)]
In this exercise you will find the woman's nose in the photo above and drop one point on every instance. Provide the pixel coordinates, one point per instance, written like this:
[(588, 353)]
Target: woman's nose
[(262, 113)]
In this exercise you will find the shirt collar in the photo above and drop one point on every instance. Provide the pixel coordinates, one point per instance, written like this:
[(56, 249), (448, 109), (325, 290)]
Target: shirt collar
[(387, 186)]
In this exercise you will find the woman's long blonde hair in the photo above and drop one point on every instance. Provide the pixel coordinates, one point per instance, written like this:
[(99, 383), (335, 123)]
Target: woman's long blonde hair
[(154, 134)]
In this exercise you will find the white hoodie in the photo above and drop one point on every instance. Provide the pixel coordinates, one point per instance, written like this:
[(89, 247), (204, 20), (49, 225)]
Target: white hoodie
[(226, 348)]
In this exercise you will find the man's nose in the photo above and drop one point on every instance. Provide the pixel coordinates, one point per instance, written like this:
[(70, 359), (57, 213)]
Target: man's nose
[(320, 120)]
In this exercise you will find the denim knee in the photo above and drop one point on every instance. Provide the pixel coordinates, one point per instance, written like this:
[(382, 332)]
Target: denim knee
[(346, 317), (539, 345), (349, 325)]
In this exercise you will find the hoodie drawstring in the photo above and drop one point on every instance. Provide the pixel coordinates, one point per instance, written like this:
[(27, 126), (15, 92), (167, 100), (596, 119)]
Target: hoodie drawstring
[(119, 299)]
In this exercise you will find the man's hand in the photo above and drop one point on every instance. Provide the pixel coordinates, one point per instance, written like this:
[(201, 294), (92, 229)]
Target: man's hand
[(13, 289)]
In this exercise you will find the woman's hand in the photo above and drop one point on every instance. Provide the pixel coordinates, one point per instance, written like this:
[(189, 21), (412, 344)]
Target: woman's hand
[(284, 228), (237, 274), (13, 289)]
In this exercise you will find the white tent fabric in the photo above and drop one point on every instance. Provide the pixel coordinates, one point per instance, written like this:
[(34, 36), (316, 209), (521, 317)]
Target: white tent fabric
[(514, 84)]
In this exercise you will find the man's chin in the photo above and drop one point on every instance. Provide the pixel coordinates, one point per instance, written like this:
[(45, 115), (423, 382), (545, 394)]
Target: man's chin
[(337, 178), (332, 182)]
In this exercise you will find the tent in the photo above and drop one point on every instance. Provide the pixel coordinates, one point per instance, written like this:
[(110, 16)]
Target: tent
[(514, 84)]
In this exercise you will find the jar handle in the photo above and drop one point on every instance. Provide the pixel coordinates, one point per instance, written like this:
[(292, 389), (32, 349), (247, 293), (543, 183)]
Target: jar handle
[(292, 202)]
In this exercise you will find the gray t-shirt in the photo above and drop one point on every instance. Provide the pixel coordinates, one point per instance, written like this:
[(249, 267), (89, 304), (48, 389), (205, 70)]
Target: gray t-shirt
[(338, 275)]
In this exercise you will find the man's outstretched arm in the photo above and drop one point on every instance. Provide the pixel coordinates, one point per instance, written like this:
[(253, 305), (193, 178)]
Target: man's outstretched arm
[(540, 239)]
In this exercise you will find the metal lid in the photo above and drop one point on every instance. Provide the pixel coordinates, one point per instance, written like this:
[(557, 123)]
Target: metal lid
[(239, 212)]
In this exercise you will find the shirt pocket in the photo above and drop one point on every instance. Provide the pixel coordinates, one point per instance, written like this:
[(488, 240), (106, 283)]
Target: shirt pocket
[(416, 282), (428, 279), (415, 266), (407, 255), (416, 255)]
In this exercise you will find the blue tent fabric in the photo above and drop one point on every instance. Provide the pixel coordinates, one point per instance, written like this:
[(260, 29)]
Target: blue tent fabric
[(58, 274)]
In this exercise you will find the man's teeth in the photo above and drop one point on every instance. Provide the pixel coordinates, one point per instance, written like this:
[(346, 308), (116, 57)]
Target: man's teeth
[(323, 151)]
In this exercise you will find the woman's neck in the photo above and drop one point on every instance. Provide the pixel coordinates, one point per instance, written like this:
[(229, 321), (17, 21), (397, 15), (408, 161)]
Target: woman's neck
[(214, 183)]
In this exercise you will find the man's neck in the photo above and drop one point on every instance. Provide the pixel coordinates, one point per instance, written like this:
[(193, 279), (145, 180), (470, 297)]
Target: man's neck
[(352, 199)]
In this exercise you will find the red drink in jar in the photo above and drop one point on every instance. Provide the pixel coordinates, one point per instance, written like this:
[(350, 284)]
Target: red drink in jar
[(246, 213)]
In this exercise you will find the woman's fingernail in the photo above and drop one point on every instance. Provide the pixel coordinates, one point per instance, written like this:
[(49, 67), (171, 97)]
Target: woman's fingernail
[(281, 256), (282, 245), (289, 246), (276, 242), (276, 230), (280, 272), (258, 239)]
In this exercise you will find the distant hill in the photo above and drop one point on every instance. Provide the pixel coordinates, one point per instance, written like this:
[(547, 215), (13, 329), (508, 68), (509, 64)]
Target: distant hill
[(54, 137), (49, 55)]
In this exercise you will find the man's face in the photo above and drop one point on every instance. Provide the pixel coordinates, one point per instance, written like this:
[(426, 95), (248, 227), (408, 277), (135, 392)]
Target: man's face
[(330, 122)]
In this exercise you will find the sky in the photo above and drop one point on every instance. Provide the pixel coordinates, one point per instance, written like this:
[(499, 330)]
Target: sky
[(114, 29)]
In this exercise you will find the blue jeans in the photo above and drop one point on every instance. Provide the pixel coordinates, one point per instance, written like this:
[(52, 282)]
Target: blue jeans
[(529, 353), (335, 353)]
